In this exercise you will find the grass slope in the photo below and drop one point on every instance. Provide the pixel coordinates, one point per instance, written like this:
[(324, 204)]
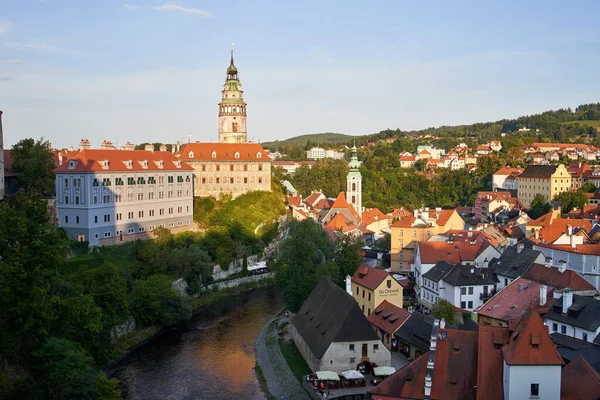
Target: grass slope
[(314, 137)]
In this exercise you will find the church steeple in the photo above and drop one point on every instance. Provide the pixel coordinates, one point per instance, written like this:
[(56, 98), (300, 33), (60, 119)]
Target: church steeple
[(232, 108), (354, 181)]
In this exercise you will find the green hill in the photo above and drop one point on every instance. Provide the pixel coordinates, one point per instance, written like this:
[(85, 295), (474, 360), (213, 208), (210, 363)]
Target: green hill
[(595, 124), (314, 138)]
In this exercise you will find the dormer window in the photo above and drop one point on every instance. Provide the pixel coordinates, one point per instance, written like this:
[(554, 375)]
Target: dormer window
[(144, 164), (177, 163), (159, 163), (237, 154), (72, 164), (104, 164), (214, 154), (191, 154), (258, 155), (128, 164)]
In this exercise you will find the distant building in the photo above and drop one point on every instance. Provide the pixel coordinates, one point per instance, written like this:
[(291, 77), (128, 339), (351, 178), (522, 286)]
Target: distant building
[(232, 109), (319, 153), (290, 167), (371, 286), (332, 333), (575, 316), (547, 180), (506, 178), (514, 262), (112, 196), (386, 319)]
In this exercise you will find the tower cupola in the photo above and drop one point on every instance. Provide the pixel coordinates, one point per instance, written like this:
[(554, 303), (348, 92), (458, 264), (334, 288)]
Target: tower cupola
[(232, 108)]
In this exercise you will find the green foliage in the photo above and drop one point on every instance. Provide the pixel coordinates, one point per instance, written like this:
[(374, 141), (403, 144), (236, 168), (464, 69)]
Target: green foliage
[(163, 237), (156, 302), (312, 139), (589, 187), (107, 389), (570, 200), (245, 266), (443, 309), (64, 370), (327, 175), (384, 243), (33, 163), (539, 206)]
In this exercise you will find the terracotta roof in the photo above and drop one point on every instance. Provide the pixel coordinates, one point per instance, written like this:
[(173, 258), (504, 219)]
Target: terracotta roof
[(530, 343), (444, 216), (552, 276), (490, 362), (369, 277), (453, 252), (455, 368), (588, 249), (313, 197), (294, 201), (370, 215), (406, 383), (483, 147), (340, 222), (576, 146), (282, 163), (224, 152), (559, 226), (579, 381), (545, 219), (388, 317), (341, 202), (408, 158), (90, 160), (510, 303), (323, 204), (591, 211), (400, 213), (405, 222)]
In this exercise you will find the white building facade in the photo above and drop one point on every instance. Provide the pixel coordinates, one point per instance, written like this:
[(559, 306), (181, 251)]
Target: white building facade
[(112, 196)]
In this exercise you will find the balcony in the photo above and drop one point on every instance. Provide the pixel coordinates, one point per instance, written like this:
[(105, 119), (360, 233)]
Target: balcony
[(487, 295)]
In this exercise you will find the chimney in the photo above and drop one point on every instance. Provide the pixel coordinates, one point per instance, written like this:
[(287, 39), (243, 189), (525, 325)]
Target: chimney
[(543, 294), (149, 147), (60, 158), (548, 261), (129, 146), (349, 285), (520, 247), (163, 147), (431, 360), (84, 144), (569, 230), (572, 241), (537, 234), (486, 263), (567, 300), (563, 266), (520, 287)]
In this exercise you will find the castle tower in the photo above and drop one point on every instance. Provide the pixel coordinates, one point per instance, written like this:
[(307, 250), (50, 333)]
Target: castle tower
[(354, 182), (232, 109), (1, 159)]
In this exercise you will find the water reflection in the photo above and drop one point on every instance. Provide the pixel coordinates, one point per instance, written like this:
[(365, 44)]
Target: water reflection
[(212, 356)]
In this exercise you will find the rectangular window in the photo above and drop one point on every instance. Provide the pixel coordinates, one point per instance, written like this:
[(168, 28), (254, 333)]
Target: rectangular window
[(217, 180), (245, 167), (563, 329), (231, 167), (76, 199), (161, 211), (151, 213), (95, 219), (130, 215), (66, 219), (535, 389), (106, 198), (66, 199), (471, 290), (351, 347), (584, 336), (463, 304), (389, 283), (463, 291), (245, 180), (77, 219), (141, 229), (140, 196), (203, 167), (170, 179), (260, 167), (203, 180), (554, 327), (259, 180), (231, 180), (66, 182), (369, 296), (218, 167), (375, 347), (470, 304), (140, 214)]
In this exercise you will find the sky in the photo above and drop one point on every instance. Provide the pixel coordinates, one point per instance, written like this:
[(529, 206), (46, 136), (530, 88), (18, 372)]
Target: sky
[(153, 71)]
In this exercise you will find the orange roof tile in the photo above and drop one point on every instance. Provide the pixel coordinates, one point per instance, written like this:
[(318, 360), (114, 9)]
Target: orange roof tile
[(490, 362), (559, 226), (509, 171), (444, 216), (341, 202), (388, 317), (530, 343), (588, 249), (294, 201), (369, 277), (224, 152), (90, 160), (406, 383), (312, 198), (340, 223), (370, 215), (579, 381), (552, 276), (454, 252)]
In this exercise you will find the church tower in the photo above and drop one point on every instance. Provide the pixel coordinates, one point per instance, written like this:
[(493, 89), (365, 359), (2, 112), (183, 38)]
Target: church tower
[(354, 182), (232, 109)]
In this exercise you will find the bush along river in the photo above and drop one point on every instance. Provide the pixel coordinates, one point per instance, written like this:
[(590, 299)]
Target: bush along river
[(210, 356)]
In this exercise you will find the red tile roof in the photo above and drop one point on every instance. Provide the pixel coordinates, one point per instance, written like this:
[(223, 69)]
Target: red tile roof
[(588, 249), (406, 383), (579, 381), (341, 203), (400, 213), (408, 158), (510, 303), (8, 161), (312, 198), (90, 160), (453, 252), (509, 171), (224, 152), (369, 277), (490, 362), (552, 276), (530, 343), (294, 201), (559, 226), (340, 223), (370, 215), (388, 317)]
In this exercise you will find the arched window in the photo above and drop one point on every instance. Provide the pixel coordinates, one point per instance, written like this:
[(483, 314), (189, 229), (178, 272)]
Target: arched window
[(234, 126), (214, 154), (353, 187), (191, 154), (353, 199)]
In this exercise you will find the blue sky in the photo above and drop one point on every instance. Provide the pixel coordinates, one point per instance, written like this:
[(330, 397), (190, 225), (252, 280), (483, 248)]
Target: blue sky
[(152, 70)]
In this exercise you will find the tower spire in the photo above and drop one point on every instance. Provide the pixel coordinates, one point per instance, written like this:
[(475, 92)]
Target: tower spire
[(232, 44)]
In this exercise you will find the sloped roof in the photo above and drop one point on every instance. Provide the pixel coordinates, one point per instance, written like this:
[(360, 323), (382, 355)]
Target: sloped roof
[(530, 343), (490, 362), (583, 313), (341, 203), (90, 161), (294, 201), (406, 383), (579, 381), (224, 152), (439, 271), (370, 215), (552, 276), (328, 315), (388, 317), (461, 275), (340, 223), (513, 264), (454, 252), (313, 197), (416, 331), (538, 171), (369, 277), (559, 226), (588, 249), (509, 171)]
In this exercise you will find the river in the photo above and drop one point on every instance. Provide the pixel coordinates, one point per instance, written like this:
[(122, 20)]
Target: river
[(209, 357)]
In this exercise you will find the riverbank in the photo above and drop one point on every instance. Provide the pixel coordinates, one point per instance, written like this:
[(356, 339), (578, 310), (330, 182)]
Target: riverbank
[(279, 379), (138, 337)]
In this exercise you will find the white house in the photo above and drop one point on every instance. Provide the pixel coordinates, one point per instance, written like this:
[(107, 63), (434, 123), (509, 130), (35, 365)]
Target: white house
[(581, 258), (575, 316), (465, 286), (112, 196)]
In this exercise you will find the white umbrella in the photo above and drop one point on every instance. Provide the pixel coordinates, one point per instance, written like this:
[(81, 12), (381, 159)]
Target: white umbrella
[(352, 374), (327, 376), (383, 371)]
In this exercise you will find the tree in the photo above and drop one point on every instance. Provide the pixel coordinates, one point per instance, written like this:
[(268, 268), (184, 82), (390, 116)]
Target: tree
[(539, 206), (347, 257), (64, 371), (107, 389), (34, 165), (156, 302), (570, 200), (443, 309), (163, 237), (589, 187), (245, 266)]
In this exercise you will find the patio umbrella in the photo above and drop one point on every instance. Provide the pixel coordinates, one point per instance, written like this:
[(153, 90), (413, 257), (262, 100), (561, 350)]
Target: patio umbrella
[(383, 371), (327, 376), (352, 374)]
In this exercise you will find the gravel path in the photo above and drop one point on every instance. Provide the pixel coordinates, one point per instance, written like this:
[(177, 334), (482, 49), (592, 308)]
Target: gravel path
[(282, 384)]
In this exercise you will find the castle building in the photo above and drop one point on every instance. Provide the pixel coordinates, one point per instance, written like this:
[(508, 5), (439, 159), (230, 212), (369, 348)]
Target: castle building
[(232, 109), (354, 182), (233, 166)]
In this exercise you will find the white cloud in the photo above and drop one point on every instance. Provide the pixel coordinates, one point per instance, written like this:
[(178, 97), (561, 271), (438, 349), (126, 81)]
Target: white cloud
[(131, 7), (175, 7), (15, 61), (4, 25), (35, 46)]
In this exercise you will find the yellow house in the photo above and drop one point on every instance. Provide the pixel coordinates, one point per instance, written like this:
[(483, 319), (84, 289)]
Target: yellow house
[(417, 227), (547, 180), (371, 286)]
